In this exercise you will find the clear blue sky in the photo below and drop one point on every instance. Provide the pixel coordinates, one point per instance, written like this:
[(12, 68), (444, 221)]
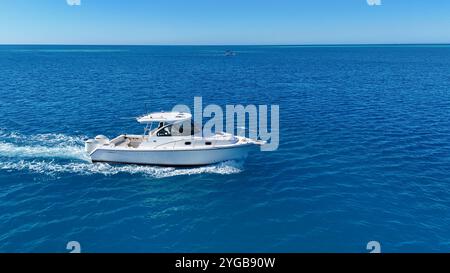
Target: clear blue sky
[(224, 22)]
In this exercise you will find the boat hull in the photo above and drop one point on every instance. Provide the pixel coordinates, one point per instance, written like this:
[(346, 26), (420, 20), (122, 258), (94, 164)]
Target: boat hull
[(171, 157)]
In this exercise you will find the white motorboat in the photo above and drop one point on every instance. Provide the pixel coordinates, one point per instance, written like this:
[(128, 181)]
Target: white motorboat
[(173, 142)]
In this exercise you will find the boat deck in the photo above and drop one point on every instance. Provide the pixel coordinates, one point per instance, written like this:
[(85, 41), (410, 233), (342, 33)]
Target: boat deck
[(130, 141)]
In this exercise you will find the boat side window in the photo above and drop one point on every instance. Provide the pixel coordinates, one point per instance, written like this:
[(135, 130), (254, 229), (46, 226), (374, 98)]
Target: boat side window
[(185, 128), (165, 131)]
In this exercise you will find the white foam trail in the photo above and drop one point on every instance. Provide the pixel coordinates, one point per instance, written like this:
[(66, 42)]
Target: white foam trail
[(54, 168), (44, 139), (41, 145), (12, 150)]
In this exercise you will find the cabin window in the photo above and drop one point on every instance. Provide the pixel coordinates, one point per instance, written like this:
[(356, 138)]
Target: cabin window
[(208, 143), (187, 143)]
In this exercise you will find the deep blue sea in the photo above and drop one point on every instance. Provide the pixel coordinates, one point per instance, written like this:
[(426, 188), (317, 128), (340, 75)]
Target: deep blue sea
[(364, 150)]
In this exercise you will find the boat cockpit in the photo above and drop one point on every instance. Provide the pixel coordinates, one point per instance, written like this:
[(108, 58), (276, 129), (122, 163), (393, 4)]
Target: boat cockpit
[(181, 128)]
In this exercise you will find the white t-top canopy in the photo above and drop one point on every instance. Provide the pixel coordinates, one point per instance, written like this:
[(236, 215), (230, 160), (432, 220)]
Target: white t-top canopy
[(164, 117)]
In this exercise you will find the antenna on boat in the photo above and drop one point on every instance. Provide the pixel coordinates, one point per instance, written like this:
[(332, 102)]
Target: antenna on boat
[(146, 107)]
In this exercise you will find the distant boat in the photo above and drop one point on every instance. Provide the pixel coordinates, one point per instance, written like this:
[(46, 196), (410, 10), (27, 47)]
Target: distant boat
[(230, 53), (173, 143)]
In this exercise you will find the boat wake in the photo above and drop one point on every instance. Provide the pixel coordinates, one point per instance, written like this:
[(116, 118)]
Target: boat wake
[(54, 168), (13, 150), (56, 154), (16, 145)]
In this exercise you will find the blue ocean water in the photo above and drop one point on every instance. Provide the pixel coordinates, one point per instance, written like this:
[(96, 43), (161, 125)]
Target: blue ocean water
[(364, 150)]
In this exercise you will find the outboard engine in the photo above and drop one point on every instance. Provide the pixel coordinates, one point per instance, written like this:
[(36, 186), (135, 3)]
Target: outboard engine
[(91, 144), (101, 139)]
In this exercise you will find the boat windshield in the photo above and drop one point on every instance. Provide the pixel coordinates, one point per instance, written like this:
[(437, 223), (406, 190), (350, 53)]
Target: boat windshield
[(185, 128)]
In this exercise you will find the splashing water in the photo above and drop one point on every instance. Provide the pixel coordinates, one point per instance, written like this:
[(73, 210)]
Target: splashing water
[(16, 145), (54, 168), (12, 150)]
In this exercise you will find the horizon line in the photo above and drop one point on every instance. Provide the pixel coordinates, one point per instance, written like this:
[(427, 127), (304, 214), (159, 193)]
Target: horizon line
[(307, 44)]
